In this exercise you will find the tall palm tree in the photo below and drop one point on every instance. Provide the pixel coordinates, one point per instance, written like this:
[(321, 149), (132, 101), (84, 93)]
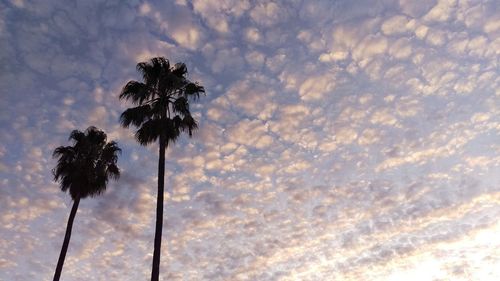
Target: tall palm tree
[(161, 113), (83, 169)]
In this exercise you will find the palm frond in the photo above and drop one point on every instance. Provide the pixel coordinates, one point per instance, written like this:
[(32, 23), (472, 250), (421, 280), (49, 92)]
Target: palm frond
[(181, 106), (76, 136), (171, 129), (110, 152), (189, 124), (113, 171), (166, 83), (135, 115), (135, 91), (149, 131), (179, 70), (193, 90), (153, 69), (95, 136), (65, 152), (163, 63), (148, 72)]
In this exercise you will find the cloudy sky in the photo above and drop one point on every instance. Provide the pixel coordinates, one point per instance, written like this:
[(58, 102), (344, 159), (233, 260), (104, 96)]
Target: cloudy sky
[(338, 140)]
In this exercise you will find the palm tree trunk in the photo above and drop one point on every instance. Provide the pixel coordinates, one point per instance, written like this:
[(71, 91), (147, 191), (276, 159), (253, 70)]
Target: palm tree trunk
[(155, 273), (64, 248)]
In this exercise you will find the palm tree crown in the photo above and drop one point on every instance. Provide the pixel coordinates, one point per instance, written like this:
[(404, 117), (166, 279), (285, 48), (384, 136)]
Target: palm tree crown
[(85, 167), (162, 107)]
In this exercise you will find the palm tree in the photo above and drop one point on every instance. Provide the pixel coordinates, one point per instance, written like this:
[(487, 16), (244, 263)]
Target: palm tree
[(84, 170), (161, 113)]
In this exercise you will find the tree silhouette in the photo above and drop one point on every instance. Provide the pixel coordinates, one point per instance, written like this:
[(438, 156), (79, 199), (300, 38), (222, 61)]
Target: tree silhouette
[(161, 113), (84, 170)]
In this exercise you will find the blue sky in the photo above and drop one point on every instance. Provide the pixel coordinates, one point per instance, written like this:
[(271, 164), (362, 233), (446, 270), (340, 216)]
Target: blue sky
[(338, 140)]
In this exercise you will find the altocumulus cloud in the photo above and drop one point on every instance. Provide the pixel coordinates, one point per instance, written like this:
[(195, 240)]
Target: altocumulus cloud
[(338, 140)]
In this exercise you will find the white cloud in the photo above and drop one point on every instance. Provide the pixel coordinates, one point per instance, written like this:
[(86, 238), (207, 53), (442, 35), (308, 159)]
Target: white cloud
[(477, 46), (98, 117), (255, 59), (145, 8), (253, 98), (421, 31), (276, 62), (218, 14), (369, 136), (334, 56), (458, 45), (443, 11), (416, 9), (369, 47), (492, 25), (397, 25), (187, 36), (314, 41), (436, 37), (346, 135), (268, 13), (317, 87), (346, 37), (253, 35), (251, 133), (408, 107), (308, 105), (384, 117)]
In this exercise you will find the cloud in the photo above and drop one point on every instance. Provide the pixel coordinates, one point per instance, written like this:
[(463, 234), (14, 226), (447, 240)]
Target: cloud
[(252, 133), (255, 58), (218, 14), (397, 25), (178, 24), (441, 12), (369, 47), (253, 35), (492, 25), (315, 88), (268, 13), (334, 137), (401, 49), (254, 99)]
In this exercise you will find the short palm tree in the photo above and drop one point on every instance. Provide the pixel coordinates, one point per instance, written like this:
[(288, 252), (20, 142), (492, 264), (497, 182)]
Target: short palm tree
[(83, 169), (161, 113)]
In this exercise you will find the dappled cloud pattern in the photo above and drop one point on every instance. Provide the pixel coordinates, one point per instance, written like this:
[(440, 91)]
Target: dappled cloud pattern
[(339, 140)]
